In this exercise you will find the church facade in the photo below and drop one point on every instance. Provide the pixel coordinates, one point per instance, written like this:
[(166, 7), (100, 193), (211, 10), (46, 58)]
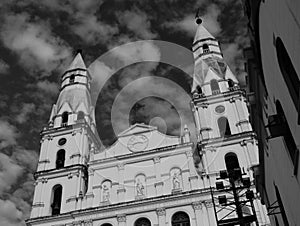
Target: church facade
[(146, 177)]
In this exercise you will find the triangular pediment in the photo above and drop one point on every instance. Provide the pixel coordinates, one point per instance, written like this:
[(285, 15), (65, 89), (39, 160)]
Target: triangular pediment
[(138, 138), (137, 128)]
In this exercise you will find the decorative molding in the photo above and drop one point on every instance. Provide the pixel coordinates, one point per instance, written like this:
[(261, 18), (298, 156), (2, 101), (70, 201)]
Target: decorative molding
[(38, 204), (119, 190), (197, 205), (75, 155), (120, 166), (88, 223), (159, 183), (44, 161), (121, 218), (195, 177), (156, 159), (189, 153), (176, 191), (91, 172), (208, 204), (244, 121), (161, 211)]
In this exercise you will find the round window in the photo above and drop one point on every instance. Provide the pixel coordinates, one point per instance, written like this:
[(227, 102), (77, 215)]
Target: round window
[(62, 141), (220, 109)]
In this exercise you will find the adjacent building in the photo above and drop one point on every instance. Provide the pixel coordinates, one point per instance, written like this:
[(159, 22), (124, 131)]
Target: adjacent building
[(274, 69)]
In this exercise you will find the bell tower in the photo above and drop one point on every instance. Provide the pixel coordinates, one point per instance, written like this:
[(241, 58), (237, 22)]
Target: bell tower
[(225, 139), (62, 175)]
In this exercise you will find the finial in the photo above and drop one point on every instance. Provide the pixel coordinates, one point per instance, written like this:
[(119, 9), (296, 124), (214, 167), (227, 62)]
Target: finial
[(198, 19)]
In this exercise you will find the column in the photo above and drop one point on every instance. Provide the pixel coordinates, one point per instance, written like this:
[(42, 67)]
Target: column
[(158, 184), (121, 220), (89, 193), (210, 213), (161, 214), (193, 178), (121, 190), (197, 206)]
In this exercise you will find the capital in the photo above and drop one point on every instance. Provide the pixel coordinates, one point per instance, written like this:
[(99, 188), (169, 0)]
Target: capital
[(121, 218), (161, 211)]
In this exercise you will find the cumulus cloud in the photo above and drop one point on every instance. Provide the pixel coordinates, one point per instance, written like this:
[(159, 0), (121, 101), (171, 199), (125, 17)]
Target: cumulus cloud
[(187, 24), (91, 30), (8, 134), (9, 214), (39, 49), (9, 173), (138, 22), (25, 110), (48, 87)]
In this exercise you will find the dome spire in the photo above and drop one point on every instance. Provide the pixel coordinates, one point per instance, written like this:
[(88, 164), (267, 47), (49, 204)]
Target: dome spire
[(77, 62), (202, 33)]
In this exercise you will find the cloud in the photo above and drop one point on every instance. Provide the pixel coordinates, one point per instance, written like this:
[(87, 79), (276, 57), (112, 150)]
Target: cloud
[(9, 172), (138, 22), (187, 24), (9, 214), (40, 51), (48, 87), (25, 110), (4, 67), (8, 134), (91, 30)]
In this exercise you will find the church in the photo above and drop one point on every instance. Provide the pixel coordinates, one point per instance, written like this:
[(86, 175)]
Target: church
[(146, 177)]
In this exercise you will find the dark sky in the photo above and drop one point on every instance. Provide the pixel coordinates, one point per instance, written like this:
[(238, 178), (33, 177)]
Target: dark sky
[(38, 40)]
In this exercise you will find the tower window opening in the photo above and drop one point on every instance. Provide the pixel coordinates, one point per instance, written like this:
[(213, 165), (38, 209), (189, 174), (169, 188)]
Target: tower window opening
[(60, 159), (214, 85), (288, 72), (224, 127), (72, 78), (230, 83), (65, 117), (199, 90), (205, 48), (232, 164), (56, 202), (80, 115), (180, 219), (142, 222)]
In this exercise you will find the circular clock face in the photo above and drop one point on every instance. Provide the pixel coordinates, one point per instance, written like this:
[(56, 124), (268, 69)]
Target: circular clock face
[(137, 143)]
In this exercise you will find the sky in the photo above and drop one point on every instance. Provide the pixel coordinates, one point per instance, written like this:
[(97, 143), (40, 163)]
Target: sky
[(38, 40)]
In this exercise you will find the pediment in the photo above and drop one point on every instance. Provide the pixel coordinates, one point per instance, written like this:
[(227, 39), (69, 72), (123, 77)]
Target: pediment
[(138, 138), (137, 128)]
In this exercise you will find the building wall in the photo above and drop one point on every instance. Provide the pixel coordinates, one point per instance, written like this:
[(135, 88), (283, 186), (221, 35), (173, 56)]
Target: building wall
[(269, 21)]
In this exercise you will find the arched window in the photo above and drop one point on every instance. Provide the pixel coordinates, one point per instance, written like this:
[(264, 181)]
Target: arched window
[(214, 85), (180, 219), (281, 206), (80, 115), (106, 224), (230, 83), (224, 127), (205, 48), (142, 222), (72, 78), (288, 136), (56, 199), (288, 71), (198, 89), (64, 118), (60, 159), (232, 163)]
